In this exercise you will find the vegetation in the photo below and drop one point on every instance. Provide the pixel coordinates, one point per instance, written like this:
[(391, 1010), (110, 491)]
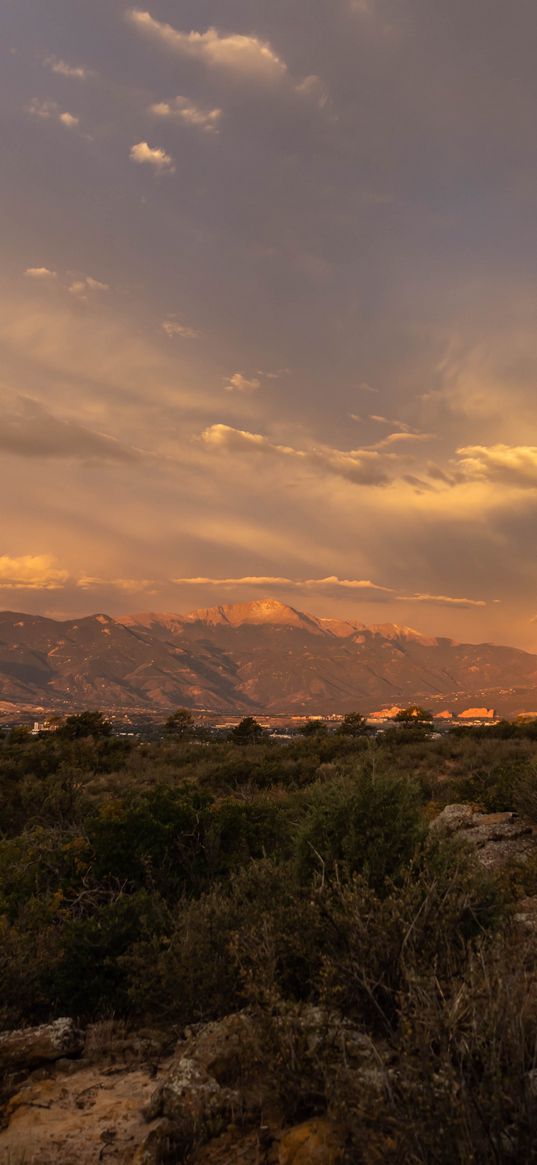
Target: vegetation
[(176, 881)]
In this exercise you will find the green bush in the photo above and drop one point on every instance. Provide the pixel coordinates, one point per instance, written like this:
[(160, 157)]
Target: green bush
[(154, 839), (369, 823)]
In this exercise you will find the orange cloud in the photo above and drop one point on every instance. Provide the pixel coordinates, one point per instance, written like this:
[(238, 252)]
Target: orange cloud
[(33, 572)]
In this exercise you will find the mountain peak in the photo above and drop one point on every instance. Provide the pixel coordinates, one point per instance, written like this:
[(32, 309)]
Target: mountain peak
[(270, 612), (401, 631), (259, 611)]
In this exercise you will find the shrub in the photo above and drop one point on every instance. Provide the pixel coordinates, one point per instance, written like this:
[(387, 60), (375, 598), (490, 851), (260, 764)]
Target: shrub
[(155, 839), (525, 793), (466, 1059), (369, 823)]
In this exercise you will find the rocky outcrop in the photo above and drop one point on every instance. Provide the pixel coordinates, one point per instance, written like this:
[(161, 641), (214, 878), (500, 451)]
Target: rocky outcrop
[(93, 1115), (219, 1075), (30, 1047), (122, 1101), (202, 1090), (497, 838), (477, 714)]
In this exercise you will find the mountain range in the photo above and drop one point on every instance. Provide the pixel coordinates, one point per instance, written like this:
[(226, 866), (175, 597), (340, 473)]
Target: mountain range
[(246, 658)]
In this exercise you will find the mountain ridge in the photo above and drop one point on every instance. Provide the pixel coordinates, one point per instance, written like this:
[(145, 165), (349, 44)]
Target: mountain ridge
[(263, 656)]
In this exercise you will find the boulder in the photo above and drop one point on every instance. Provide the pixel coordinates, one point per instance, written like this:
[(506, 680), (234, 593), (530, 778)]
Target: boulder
[(227, 1049), (454, 818), (198, 1107), (497, 838), (219, 1074), (201, 1093), (30, 1047)]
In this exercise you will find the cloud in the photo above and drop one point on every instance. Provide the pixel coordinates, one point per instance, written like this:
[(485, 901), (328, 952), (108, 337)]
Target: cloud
[(287, 583), (418, 484), (245, 56), (50, 110), (359, 466), (81, 287), (42, 109), (442, 600), (129, 585), (314, 89), (183, 110), (242, 57), (240, 383), (144, 154), (514, 465), (69, 120), (63, 69), (33, 572), (40, 273), (401, 438), (402, 425), (436, 473), (274, 375), (32, 431), (97, 360), (172, 327), (331, 584)]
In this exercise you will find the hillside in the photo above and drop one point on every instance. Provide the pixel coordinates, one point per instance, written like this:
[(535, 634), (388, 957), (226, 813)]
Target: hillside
[(250, 657)]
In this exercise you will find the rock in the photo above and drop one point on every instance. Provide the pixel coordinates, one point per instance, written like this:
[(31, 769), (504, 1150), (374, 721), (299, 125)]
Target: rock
[(201, 1091), (477, 714), (69, 1120), (30, 1047), (454, 818), (219, 1072), (497, 838), (194, 1102), (326, 1036), (526, 913), (316, 1142), (227, 1049), (157, 1145)]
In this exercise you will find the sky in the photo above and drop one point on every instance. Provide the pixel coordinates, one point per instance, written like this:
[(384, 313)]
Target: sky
[(268, 309)]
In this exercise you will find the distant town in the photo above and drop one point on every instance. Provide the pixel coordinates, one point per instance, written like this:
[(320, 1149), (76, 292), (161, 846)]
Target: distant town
[(280, 727)]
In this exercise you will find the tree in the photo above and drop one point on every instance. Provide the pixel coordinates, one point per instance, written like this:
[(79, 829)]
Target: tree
[(313, 728), (353, 724), (85, 724), (20, 734), (247, 732), (180, 725), (413, 716)]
